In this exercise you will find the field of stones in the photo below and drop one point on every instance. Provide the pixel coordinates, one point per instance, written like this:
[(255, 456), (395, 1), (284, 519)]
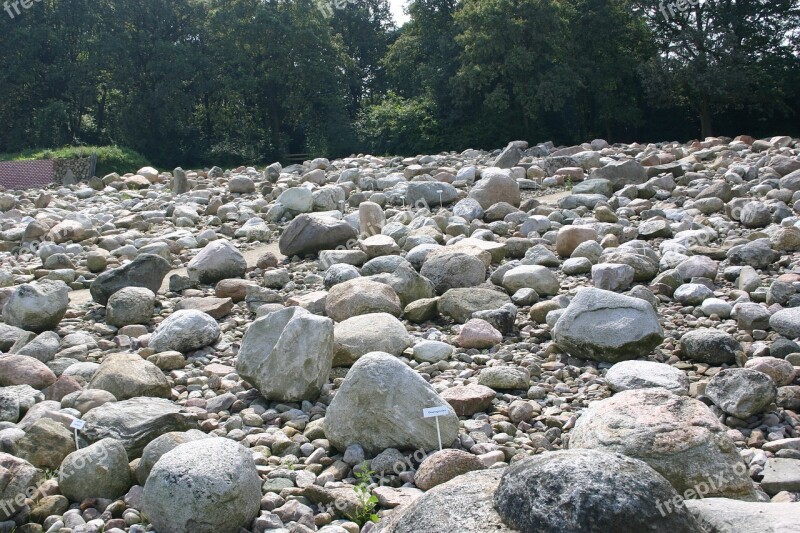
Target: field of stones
[(594, 338)]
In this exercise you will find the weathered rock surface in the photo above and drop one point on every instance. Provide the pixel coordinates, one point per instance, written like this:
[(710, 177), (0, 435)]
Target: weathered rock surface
[(606, 326), (379, 406), (677, 436)]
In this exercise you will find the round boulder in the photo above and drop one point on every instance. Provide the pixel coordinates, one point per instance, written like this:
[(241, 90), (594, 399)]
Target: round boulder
[(205, 486), (588, 491), (130, 305), (678, 436), (184, 331)]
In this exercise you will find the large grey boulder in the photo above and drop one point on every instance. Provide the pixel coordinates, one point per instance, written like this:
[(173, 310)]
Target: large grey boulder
[(205, 486), (464, 504), (509, 157), (37, 306), (217, 261), (450, 270), (287, 354), (100, 470), (184, 331), (135, 422), (677, 436), (496, 185), (628, 375), (588, 491), (147, 270), (786, 322), (536, 277), (606, 326), (708, 345), (130, 305), (373, 332), (407, 283), (431, 193), (308, 234), (161, 445), (127, 375), (361, 296), (621, 173), (460, 304), (379, 406), (741, 392)]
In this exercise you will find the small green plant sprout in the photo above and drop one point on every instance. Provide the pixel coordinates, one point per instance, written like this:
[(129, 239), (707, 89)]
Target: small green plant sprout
[(368, 501), (568, 183)]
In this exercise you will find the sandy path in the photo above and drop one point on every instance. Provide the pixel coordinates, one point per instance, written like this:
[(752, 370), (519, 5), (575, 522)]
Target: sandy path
[(82, 296)]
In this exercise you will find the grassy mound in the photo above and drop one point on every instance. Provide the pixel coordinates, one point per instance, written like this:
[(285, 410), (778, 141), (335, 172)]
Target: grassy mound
[(109, 158)]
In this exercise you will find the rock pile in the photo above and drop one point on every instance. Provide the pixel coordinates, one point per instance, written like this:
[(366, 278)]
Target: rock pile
[(601, 331)]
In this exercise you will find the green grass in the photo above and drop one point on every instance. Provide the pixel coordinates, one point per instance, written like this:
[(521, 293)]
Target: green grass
[(109, 158)]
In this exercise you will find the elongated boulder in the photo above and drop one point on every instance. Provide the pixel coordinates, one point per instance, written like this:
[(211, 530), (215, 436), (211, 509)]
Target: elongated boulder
[(677, 436), (606, 326), (463, 504), (127, 375), (379, 406), (621, 173), (361, 296), (147, 270), (287, 354), (308, 234), (135, 422), (362, 334)]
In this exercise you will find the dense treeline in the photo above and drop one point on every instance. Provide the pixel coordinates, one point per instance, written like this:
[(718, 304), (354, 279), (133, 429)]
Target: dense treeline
[(231, 81)]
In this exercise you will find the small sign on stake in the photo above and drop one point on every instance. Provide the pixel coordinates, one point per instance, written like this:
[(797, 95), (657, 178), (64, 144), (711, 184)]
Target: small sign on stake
[(436, 412), (76, 425)]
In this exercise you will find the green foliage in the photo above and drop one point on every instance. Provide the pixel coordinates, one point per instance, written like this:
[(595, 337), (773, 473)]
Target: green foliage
[(230, 82), (109, 158), (397, 125), (366, 510)]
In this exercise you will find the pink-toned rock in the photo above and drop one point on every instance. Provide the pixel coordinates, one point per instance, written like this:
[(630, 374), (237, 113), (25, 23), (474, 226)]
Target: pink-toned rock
[(267, 260), (781, 371), (64, 385), (479, 334), (444, 465), (216, 307), (24, 370), (569, 237), (235, 289), (218, 369), (466, 400)]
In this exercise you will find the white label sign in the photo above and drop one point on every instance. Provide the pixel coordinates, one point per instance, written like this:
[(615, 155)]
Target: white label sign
[(77, 424), (434, 411)]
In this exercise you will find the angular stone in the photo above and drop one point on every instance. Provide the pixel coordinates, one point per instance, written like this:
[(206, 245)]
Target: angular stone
[(309, 234), (147, 270), (287, 355), (394, 396)]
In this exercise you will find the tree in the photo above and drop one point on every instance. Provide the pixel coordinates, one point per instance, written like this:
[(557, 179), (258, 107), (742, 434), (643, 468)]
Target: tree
[(718, 55)]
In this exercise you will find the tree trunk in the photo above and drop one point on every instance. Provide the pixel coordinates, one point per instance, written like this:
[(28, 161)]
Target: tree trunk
[(705, 119)]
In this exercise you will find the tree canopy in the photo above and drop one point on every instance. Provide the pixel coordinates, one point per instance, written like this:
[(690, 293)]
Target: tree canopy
[(244, 81)]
